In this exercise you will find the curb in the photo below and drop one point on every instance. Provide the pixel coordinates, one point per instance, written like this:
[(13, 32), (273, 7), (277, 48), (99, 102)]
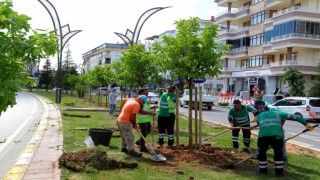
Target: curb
[(18, 170)]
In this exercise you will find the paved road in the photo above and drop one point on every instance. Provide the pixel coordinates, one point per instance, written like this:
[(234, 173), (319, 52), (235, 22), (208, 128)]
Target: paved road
[(308, 139), (16, 129)]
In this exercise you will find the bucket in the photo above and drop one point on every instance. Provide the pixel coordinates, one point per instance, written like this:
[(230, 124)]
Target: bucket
[(101, 136)]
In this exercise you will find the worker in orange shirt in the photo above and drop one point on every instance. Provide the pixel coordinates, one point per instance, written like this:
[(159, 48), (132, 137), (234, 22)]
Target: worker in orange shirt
[(126, 118)]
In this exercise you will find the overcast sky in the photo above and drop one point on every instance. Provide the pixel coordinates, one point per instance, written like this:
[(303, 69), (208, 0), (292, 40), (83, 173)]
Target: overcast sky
[(99, 19)]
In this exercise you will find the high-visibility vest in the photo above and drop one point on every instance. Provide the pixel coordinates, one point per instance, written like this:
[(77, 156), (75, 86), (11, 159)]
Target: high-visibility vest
[(171, 105), (143, 118)]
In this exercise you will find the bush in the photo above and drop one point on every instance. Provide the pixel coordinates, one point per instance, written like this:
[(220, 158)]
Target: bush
[(223, 104)]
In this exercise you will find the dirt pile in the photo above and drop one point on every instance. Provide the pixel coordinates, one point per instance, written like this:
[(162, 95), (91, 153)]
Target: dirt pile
[(92, 160)]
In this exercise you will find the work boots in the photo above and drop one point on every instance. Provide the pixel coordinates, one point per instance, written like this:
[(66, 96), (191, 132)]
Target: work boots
[(135, 154)]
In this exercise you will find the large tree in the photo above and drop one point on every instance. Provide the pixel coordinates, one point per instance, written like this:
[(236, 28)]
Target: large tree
[(138, 67), (294, 79), (19, 45), (191, 54), (315, 90), (46, 75)]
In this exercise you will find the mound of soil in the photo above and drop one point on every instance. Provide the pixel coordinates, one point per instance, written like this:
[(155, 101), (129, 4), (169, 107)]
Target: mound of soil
[(92, 158)]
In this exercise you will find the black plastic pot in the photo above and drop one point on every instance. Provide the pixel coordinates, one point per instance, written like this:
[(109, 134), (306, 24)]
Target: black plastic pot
[(101, 136)]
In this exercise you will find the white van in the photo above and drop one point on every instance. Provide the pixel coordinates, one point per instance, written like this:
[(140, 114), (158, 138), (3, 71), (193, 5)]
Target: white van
[(300, 106)]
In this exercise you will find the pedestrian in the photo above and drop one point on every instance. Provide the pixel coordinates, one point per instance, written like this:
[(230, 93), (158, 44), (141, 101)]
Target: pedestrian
[(238, 116), (144, 122), (271, 134), (112, 101), (143, 91), (126, 118), (166, 116), (133, 93)]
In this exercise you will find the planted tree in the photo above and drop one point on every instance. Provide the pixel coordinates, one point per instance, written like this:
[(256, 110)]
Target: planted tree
[(295, 80), (20, 45), (191, 54), (315, 90), (137, 68)]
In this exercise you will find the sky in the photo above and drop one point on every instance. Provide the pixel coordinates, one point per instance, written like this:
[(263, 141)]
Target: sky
[(99, 19)]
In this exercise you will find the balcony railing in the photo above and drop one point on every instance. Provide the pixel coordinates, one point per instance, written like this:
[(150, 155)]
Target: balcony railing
[(245, 48), (233, 11), (289, 62), (296, 35), (295, 8)]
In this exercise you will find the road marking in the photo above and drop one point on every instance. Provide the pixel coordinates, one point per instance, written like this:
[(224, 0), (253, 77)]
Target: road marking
[(11, 138)]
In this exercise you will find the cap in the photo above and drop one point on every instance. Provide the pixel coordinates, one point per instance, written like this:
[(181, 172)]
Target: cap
[(236, 101), (259, 102), (144, 98)]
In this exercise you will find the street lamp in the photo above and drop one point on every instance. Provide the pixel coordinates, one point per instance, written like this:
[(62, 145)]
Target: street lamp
[(64, 34), (132, 37)]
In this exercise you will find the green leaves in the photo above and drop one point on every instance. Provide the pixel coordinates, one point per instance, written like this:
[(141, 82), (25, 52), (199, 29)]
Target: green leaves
[(18, 49), (295, 81)]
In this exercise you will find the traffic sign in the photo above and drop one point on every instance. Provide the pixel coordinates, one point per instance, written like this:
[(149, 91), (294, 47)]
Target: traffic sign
[(202, 80), (37, 74)]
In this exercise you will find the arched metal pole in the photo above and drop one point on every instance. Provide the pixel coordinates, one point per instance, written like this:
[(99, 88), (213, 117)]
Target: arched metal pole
[(63, 39), (142, 19)]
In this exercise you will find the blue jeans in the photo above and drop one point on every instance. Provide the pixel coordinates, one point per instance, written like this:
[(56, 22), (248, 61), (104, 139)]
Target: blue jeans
[(112, 108)]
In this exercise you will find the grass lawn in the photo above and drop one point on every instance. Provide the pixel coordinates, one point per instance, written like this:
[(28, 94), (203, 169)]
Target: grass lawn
[(180, 164)]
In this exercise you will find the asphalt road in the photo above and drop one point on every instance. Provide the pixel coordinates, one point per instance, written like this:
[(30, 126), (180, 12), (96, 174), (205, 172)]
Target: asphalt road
[(308, 139), (17, 126)]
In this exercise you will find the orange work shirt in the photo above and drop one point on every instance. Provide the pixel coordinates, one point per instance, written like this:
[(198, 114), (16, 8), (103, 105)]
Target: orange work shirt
[(130, 107)]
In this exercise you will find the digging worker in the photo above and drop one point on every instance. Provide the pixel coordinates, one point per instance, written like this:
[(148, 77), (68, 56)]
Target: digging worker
[(126, 118), (271, 134), (238, 116), (166, 116), (144, 122)]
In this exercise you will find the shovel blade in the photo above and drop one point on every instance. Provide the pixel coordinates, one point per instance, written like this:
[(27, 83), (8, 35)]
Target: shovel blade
[(158, 157)]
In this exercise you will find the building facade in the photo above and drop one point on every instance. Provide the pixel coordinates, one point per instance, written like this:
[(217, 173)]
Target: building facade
[(102, 55), (272, 35)]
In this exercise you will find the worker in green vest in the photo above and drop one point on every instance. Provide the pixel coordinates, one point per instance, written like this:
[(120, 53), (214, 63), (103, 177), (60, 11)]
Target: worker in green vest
[(167, 116), (271, 134), (144, 122)]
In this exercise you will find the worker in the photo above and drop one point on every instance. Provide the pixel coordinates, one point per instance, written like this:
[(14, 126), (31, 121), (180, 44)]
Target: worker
[(238, 116), (144, 122), (271, 134), (166, 116), (126, 118)]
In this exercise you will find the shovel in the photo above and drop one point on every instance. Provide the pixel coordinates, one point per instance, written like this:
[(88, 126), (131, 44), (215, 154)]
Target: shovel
[(234, 165), (154, 156)]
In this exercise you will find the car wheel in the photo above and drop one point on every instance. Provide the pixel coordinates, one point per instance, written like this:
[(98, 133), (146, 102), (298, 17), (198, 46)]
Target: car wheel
[(209, 108), (180, 103), (298, 114)]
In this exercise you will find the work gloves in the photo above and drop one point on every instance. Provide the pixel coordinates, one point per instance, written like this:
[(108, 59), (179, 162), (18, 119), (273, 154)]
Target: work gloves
[(309, 127)]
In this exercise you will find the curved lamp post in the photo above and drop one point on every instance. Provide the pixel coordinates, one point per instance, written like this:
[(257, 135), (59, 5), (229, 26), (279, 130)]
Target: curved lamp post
[(132, 37), (64, 34)]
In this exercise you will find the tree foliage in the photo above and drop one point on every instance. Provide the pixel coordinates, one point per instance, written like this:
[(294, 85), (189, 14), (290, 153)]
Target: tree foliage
[(46, 75), (137, 68), (315, 90), (191, 54), (295, 81), (19, 45)]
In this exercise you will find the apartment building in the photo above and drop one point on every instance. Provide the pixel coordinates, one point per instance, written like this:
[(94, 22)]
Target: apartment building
[(102, 55), (272, 35)]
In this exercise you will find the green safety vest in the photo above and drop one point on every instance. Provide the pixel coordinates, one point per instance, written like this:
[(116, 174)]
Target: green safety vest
[(143, 118), (270, 124), (171, 105)]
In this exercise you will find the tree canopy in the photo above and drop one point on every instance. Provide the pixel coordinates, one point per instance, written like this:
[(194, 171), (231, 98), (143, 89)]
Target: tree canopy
[(19, 45), (295, 80)]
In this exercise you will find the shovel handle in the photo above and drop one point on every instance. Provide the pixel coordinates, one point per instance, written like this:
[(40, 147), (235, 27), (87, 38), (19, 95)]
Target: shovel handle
[(216, 135), (145, 140)]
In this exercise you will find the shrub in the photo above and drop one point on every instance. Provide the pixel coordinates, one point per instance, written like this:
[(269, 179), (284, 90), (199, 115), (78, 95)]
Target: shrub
[(223, 104)]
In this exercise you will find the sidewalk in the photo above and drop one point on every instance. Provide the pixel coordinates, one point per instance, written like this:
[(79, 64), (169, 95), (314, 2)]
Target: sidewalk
[(39, 160)]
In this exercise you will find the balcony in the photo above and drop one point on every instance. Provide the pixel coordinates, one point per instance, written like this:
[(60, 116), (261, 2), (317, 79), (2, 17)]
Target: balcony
[(241, 15), (237, 52), (296, 11), (275, 4), (233, 33), (296, 40), (235, 3), (302, 65)]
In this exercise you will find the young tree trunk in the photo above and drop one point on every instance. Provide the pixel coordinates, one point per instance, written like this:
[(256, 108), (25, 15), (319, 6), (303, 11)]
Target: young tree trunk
[(190, 114), (196, 116), (177, 118)]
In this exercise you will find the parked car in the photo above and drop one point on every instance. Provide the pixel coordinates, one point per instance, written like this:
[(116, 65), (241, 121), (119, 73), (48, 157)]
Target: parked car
[(300, 106), (101, 90), (207, 100), (153, 97), (271, 98)]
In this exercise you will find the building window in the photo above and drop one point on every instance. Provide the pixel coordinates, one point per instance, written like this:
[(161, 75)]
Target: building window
[(107, 60), (255, 1), (260, 60), (260, 17), (256, 40), (244, 64)]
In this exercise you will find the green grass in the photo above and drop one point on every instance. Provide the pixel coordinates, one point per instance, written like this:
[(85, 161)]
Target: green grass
[(302, 166)]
